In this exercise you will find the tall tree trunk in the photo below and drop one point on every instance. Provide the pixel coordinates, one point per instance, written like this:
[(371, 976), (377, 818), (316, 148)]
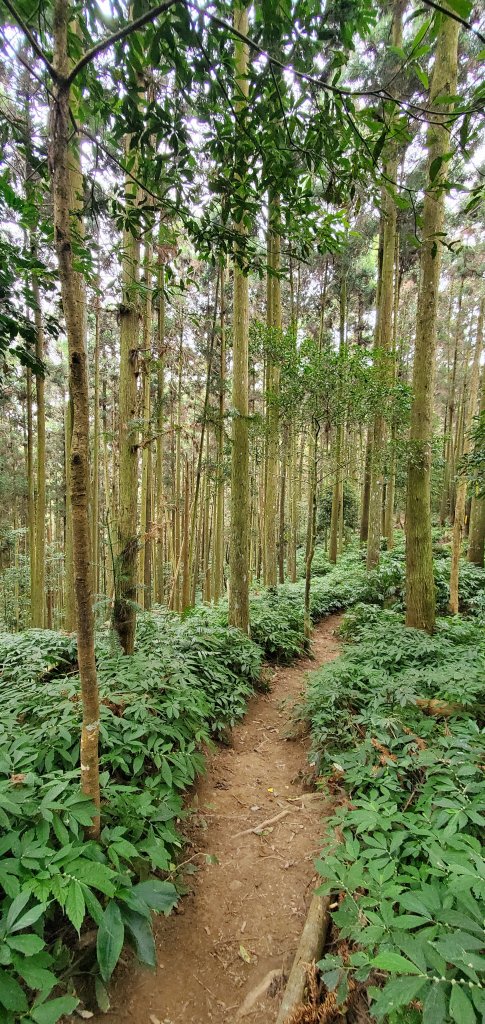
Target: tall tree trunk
[(461, 489), (145, 496), (449, 468), (272, 393), (124, 612), (240, 497), (219, 517), (70, 596), (420, 590), (30, 489), (384, 333), (95, 525), (66, 181), (476, 546), (160, 421), (337, 495)]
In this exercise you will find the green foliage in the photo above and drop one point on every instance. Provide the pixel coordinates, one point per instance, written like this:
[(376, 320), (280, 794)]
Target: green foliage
[(350, 508), (408, 858), (187, 679)]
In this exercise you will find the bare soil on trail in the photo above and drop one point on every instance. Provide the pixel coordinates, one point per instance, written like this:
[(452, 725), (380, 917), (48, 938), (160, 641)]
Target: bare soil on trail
[(225, 955)]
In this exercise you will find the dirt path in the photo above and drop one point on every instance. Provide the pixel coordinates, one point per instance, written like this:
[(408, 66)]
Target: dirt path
[(239, 928)]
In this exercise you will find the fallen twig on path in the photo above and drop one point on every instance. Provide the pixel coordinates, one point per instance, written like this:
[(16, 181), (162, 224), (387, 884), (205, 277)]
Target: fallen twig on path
[(264, 824)]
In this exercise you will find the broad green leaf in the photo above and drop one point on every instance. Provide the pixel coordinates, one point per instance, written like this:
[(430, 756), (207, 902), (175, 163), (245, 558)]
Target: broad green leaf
[(141, 932), (29, 918), (26, 944), (157, 895), (434, 1007), (460, 1007), (394, 963), (110, 938), (12, 996), (75, 906), (50, 1012), (398, 992)]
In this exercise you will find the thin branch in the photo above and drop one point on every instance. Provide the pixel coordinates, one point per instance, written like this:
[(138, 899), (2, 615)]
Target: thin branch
[(32, 40), (122, 33), (456, 17)]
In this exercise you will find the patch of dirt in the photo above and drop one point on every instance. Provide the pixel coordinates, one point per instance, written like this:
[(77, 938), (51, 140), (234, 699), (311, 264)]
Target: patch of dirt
[(225, 955)]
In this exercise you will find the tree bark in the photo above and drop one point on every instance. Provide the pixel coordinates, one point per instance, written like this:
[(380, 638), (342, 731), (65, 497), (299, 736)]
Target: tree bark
[(420, 590), (124, 612), (461, 489), (73, 293), (240, 498)]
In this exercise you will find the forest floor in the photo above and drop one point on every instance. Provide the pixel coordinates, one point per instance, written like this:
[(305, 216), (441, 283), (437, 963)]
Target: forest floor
[(224, 956)]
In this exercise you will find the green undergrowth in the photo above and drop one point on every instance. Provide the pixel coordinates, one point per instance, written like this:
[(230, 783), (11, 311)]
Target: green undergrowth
[(396, 724), (188, 681)]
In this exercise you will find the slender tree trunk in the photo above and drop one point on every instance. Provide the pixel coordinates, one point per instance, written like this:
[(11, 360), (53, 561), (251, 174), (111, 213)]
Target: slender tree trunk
[(364, 520), (282, 501), (449, 468), (38, 609), (461, 489), (477, 516), (272, 394), (420, 591), (124, 613), (95, 524), (240, 498), (337, 496), (65, 182), (383, 334), (391, 481), (160, 510), (70, 598), (145, 496), (219, 519), (30, 490)]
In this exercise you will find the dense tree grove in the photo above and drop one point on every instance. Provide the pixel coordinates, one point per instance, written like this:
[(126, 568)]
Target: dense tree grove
[(241, 314)]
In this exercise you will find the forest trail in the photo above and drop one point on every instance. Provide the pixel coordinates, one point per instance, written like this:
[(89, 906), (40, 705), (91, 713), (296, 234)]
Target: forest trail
[(251, 904)]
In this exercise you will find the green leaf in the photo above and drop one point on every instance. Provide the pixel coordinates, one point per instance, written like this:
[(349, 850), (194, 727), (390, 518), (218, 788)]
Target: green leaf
[(141, 932), (435, 167), (102, 997), (75, 907), (434, 1007), (12, 997), (35, 975), (460, 1007), (26, 944), (29, 918), (397, 992), (394, 963), (462, 7), (157, 895), (111, 933), (49, 1013), (16, 907)]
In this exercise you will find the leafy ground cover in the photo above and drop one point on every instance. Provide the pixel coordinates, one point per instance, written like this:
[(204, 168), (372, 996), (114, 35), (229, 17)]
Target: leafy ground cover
[(396, 732), (186, 683)]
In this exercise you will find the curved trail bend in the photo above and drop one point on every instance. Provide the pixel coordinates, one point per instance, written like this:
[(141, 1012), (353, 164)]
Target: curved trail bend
[(228, 948)]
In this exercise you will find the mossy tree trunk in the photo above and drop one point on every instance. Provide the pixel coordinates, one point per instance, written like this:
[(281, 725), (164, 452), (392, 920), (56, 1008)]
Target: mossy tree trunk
[(124, 613), (64, 184), (420, 590)]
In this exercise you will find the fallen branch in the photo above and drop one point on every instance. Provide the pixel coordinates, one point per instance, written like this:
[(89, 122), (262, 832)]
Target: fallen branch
[(310, 948), (264, 824)]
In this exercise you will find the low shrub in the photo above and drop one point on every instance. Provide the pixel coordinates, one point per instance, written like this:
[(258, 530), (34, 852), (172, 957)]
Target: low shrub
[(394, 730)]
